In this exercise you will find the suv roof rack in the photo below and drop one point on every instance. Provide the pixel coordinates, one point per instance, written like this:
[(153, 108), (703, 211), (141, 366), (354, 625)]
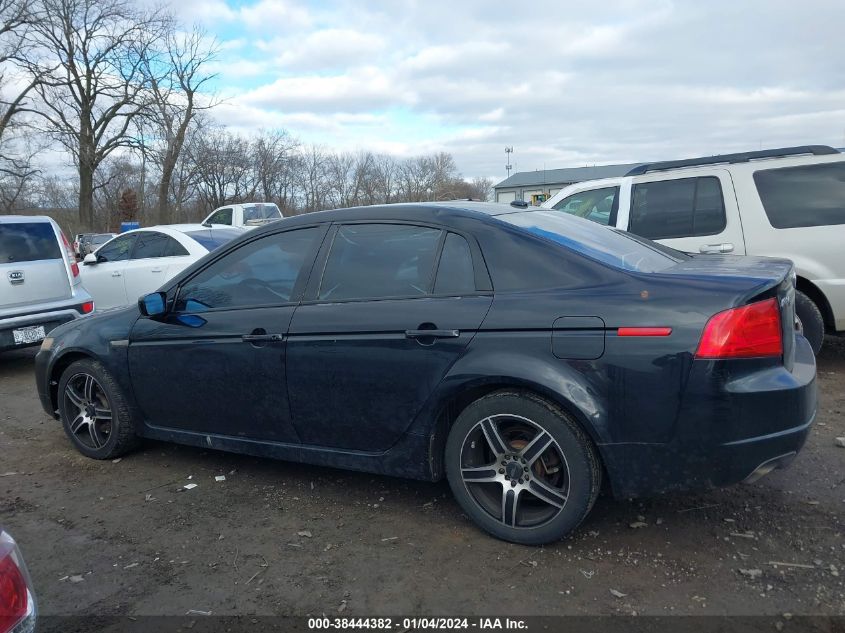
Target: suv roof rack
[(742, 157)]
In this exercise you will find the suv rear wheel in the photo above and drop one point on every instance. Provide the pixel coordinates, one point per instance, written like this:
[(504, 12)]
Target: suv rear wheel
[(811, 320), (522, 468)]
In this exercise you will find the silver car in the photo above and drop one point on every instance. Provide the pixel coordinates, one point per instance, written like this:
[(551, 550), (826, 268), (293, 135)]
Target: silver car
[(39, 281)]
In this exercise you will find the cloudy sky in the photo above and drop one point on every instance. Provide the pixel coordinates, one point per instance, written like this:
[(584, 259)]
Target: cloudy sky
[(565, 83)]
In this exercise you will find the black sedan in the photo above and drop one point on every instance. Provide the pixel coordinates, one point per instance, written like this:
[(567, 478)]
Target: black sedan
[(524, 354)]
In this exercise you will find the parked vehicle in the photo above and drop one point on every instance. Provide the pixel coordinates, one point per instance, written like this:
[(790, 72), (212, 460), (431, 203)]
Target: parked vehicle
[(18, 609), (250, 214), (93, 241), (525, 354), (39, 281), (140, 261), (77, 243), (779, 202)]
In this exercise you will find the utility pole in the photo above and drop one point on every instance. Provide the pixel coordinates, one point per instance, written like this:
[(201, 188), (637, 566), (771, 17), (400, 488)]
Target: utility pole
[(508, 167)]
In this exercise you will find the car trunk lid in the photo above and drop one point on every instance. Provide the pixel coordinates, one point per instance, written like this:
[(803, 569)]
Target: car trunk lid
[(33, 269)]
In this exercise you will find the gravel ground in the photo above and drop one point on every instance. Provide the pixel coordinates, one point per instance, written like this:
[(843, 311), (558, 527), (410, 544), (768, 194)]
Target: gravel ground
[(124, 537)]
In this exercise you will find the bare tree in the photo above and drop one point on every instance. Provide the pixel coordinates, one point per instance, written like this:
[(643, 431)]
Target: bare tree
[(16, 19), (91, 80), (224, 168), (276, 164), (177, 76)]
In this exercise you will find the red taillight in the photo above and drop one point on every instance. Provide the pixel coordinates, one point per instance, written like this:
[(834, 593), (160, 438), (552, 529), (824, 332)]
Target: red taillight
[(87, 307), (71, 258), (14, 599), (747, 332)]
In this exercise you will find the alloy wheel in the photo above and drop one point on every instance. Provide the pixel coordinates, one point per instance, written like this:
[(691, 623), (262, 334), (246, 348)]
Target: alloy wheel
[(515, 471), (89, 411)]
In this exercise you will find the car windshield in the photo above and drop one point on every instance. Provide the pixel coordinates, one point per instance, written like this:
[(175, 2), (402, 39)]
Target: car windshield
[(607, 245), (101, 239), (262, 211), (211, 239)]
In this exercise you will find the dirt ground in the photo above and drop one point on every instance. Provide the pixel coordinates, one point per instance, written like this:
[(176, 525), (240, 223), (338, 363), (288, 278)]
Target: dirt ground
[(286, 539)]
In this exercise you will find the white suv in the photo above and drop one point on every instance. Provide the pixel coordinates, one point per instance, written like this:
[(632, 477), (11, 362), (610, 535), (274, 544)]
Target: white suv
[(786, 202)]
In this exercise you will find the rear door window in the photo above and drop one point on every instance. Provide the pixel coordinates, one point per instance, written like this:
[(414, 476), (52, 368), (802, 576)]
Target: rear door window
[(455, 273), (598, 205), (374, 261), (28, 242), (681, 207), (812, 195)]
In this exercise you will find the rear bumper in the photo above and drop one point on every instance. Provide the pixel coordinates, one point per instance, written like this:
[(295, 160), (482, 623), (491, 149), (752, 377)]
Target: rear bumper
[(49, 319), (735, 424)]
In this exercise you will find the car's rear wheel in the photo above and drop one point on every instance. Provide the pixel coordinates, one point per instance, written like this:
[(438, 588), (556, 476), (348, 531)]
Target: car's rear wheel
[(811, 319), (94, 413), (522, 468)]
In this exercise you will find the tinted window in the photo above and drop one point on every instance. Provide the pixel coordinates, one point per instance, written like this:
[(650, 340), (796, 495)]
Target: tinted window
[(803, 196), (455, 274), (101, 238), (596, 204), (262, 272), (223, 216), (118, 249), (27, 242), (370, 261), (151, 244), (684, 207), (265, 211), (601, 243), (211, 239)]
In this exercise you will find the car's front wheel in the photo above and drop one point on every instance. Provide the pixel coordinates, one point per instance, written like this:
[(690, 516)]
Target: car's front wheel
[(94, 413), (522, 468)]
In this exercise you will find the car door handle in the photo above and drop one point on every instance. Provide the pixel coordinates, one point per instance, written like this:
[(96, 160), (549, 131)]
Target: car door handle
[(252, 338), (727, 247), (432, 333), (116, 273), (156, 270)]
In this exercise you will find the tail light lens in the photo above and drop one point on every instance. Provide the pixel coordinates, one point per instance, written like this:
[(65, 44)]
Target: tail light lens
[(87, 307), (749, 331), (71, 258), (17, 604)]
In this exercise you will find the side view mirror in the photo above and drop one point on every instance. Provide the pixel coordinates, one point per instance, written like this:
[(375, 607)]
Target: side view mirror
[(90, 258), (153, 304)]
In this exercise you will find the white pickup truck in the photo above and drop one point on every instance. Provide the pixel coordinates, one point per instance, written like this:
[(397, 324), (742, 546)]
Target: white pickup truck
[(787, 202), (248, 214)]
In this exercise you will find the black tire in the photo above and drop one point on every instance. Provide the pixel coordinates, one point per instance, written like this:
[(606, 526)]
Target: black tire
[(516, 415), (811, 320), (85, 422)]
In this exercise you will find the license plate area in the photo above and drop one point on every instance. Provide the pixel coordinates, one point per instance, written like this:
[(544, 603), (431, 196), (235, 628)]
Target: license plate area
[(31, 334)]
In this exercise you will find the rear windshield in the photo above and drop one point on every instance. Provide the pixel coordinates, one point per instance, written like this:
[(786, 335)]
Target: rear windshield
[(607, 245), (28, 242), (211, 239), (267, 211), (813, 195), (101, 239)]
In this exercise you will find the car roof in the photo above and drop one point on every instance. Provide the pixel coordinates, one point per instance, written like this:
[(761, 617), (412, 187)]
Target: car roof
[(414, 211)]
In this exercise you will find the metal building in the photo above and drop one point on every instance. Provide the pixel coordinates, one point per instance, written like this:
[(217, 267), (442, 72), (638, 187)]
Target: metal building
[(537, 186)]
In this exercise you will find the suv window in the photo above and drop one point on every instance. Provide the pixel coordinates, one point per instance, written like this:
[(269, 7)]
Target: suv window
[(118, 250), (152, 244), (597, 205), (221, 216), (683, 207), (455, 274), (813, 195), (262, 272), (28, 242), (373, 261)]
